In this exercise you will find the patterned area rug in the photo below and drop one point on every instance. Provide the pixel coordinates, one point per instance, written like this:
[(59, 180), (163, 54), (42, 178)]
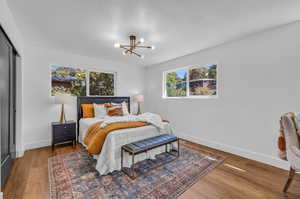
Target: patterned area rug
[(73, 176)]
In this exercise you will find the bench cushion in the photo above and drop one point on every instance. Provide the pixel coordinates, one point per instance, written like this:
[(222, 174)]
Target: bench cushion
[(150, 143)]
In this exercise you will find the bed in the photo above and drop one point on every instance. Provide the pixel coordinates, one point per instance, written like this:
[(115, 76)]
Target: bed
[(109, 158)]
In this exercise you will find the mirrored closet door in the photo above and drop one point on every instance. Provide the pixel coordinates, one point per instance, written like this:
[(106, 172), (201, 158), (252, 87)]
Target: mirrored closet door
[(7, 104)]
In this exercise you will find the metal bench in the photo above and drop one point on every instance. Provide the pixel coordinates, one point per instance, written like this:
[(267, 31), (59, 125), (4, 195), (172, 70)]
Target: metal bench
[(145, 145)]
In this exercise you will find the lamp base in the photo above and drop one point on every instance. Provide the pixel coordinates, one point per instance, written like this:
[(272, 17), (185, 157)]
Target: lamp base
[(62, 119), (139, 109)]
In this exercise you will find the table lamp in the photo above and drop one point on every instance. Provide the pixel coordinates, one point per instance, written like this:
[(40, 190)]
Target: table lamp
[(62, 99), (138, 98)]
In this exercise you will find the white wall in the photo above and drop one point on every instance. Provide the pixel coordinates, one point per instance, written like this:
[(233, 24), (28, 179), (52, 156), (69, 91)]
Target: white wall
[(259, 79), (7, 22), (38, 108)]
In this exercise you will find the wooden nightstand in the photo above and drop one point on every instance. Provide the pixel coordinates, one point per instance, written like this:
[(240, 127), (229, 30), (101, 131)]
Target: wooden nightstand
[(62, 133)]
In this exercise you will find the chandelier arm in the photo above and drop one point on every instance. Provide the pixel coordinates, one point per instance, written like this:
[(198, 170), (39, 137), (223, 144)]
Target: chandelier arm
[(126, 49), (143, 46), (137, 54), (131, 51), (136, 44)]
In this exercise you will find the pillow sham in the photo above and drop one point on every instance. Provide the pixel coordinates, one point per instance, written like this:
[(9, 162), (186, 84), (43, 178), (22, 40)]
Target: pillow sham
[(124, 107), (100, 110), (115, 110), (87, 110)]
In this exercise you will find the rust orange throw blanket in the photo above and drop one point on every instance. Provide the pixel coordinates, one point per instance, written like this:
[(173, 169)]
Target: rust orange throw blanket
[(281, 142), (95, 135)]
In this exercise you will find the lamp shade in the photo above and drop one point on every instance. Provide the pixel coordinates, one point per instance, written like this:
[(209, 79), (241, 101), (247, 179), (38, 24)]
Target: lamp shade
[(62, 99), (138, 98)]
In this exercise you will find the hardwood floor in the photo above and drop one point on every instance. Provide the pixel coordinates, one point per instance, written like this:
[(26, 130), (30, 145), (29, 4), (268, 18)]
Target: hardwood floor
[(235, 178)]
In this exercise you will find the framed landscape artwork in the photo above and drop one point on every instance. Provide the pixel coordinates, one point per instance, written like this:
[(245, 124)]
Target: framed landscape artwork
[(81, 82)]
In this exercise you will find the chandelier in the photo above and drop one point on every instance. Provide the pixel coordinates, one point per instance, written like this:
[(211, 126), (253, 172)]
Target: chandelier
[(134, 44)]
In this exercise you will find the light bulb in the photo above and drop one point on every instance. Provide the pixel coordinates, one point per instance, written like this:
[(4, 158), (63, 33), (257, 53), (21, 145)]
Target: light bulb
[(152, 47), (117, 45), (142, 40), (142, 56)]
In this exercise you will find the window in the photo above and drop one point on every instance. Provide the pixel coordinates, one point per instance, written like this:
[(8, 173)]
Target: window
[(203, 81), (195, 81), (79, 82), (176, 83)]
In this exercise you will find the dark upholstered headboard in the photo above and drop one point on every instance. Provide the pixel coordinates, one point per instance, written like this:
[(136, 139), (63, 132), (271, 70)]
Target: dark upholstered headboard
[(98, 100)]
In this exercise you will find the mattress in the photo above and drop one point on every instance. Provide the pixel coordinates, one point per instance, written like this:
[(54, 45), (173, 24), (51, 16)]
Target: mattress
[(84, 124)]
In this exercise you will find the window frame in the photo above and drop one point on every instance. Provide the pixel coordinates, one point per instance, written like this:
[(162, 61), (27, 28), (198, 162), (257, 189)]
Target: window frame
[(188, 96), (87, 76)]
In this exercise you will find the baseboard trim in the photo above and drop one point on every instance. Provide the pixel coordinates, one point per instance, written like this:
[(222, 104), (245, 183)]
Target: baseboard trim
[(266, 159), (19, 154), (35, 145), (223, 147)]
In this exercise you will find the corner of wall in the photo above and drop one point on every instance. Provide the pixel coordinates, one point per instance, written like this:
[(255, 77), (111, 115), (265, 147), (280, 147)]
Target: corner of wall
[(9, 25), (36, 144)]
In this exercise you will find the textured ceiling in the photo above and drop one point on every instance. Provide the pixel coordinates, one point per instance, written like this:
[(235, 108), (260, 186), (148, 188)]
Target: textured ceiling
[(175, 27)]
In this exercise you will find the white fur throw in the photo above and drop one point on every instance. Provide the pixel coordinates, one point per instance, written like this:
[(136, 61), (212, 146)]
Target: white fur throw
[(151, 118)]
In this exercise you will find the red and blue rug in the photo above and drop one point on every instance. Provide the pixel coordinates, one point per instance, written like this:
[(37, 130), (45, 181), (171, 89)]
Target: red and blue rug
[(73, 176)]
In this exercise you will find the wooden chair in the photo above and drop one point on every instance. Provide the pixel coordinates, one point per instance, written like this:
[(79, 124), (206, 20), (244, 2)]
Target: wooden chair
[(292, 147)]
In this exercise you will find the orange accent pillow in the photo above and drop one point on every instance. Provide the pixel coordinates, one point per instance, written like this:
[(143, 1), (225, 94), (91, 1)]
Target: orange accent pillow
[(115, 111), (88, 109)]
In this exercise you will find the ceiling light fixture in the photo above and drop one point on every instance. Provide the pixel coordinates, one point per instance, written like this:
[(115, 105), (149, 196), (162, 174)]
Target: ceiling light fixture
[(134, 44)]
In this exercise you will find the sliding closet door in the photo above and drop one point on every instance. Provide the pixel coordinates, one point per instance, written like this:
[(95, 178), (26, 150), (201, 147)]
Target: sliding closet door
[(12, 104), (5, 63)]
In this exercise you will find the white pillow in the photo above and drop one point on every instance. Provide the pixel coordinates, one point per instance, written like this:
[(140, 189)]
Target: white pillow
[(99, 110), (125, 108)]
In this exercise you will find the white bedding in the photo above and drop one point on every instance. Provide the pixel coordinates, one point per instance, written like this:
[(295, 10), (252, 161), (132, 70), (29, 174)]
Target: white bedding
[(84, 124), (110, 157)]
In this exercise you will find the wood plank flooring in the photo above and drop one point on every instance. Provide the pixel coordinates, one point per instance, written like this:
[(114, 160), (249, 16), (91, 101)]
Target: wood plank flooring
[(235, 178)]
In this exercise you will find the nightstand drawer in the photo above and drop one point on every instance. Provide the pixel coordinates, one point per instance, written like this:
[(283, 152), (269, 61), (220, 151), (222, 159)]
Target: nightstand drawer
[(64, 130), (64, 139)]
